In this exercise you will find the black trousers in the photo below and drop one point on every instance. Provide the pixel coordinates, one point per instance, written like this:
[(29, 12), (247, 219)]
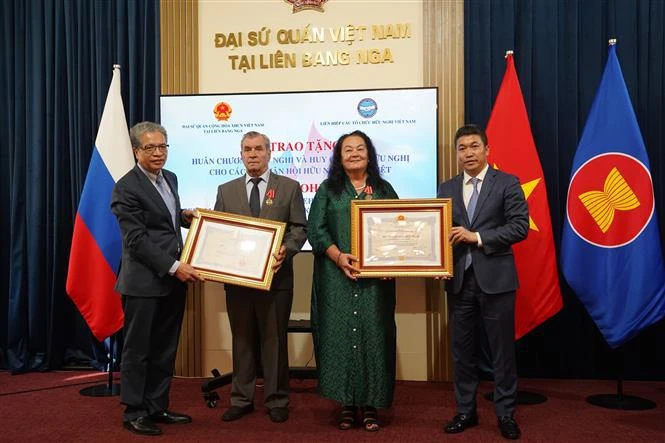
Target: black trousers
[(152, 329), (497, 313), (259, 321)]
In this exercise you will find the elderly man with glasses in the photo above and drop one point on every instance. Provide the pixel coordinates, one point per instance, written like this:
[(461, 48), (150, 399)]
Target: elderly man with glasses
[(152, 280)]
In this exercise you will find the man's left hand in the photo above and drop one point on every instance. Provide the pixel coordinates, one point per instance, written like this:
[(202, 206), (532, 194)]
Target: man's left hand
[(188, 215), (279, 258), (460, 234), (187, 273)]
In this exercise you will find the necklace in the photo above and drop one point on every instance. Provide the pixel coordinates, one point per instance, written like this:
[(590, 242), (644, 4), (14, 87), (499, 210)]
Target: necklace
[(360, 188)]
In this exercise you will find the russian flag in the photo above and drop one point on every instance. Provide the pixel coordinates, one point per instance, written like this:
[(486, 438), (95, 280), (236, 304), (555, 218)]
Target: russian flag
[(96, 243)]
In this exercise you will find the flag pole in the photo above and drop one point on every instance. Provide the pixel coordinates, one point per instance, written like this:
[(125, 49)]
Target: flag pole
[(93, 265), (620, 400), (613, 303), (109, 389), (530, 397), (522, 397)]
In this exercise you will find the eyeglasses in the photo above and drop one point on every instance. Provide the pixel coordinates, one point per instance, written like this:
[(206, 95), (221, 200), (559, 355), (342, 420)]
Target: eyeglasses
[(149, 149)]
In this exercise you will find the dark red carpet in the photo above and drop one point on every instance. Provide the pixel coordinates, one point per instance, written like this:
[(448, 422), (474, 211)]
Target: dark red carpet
[(34, 407)]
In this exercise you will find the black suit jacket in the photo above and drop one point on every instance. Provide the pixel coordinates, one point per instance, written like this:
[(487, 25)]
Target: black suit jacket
[(150, 243), (502, 219), (287, 206)]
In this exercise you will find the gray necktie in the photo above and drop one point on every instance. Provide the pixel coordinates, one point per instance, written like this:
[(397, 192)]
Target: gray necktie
[(167, 196), (254, 198), (470, 209)]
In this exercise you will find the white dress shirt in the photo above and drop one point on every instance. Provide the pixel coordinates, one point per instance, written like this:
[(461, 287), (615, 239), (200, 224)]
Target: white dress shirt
[(467, 190)]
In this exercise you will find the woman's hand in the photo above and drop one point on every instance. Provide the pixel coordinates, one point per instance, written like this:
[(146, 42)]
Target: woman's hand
[(345, 263)]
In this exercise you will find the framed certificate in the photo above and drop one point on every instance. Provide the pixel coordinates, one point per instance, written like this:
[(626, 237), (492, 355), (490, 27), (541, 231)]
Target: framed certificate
[(402, 238), (232, 248)]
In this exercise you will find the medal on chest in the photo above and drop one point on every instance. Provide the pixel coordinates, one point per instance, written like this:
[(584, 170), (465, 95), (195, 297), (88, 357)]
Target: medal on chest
[(270, 195), (368, 192)]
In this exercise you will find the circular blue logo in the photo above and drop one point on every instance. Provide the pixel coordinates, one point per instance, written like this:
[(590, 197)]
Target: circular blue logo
[(367, 107)]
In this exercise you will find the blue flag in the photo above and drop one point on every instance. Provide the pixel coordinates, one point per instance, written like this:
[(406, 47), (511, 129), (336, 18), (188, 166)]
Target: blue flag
[(610, 248)]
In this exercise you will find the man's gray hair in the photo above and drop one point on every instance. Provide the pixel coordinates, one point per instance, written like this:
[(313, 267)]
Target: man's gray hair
[(252, 134), (137, 131)]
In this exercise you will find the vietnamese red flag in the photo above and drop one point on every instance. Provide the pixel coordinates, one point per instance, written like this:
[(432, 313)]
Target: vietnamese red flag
[(512, 150)]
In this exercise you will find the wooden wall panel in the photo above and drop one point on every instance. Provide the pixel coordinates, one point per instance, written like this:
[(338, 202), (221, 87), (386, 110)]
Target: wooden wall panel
[(443, 28), (179, 46), (180, 74), (443, 54)]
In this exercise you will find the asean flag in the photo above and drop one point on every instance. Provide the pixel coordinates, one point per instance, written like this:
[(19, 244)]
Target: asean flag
[(513, 150), (94, 258), (610, 249)]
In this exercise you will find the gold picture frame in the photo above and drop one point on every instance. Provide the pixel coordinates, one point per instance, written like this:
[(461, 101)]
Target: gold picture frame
[(402, 238), (231, 248)]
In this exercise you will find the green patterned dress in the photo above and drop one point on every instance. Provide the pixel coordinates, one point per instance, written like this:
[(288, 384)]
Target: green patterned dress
[(353, 322)]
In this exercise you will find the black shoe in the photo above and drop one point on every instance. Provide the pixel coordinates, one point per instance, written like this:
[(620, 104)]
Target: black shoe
[(170, 418), (460, 423), (278, 415), (236, 412), (142, 426), (509, 428)]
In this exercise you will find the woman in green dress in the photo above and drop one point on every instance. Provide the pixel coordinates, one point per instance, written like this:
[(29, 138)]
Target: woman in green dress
[(353, 320)]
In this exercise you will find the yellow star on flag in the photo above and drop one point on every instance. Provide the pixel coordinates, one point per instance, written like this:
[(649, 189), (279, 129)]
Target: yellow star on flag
[(528, 188)]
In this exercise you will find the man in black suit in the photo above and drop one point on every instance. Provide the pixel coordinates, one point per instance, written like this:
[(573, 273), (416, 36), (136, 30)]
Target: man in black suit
[(259, 319), (490, 214), (152, 281)]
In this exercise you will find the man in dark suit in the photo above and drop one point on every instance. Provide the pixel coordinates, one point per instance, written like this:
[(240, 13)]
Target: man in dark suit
[(152, 281), (259, 319), (490, 214)]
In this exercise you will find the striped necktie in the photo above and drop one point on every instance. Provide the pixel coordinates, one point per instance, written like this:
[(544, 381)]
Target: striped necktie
[(167, 196)]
